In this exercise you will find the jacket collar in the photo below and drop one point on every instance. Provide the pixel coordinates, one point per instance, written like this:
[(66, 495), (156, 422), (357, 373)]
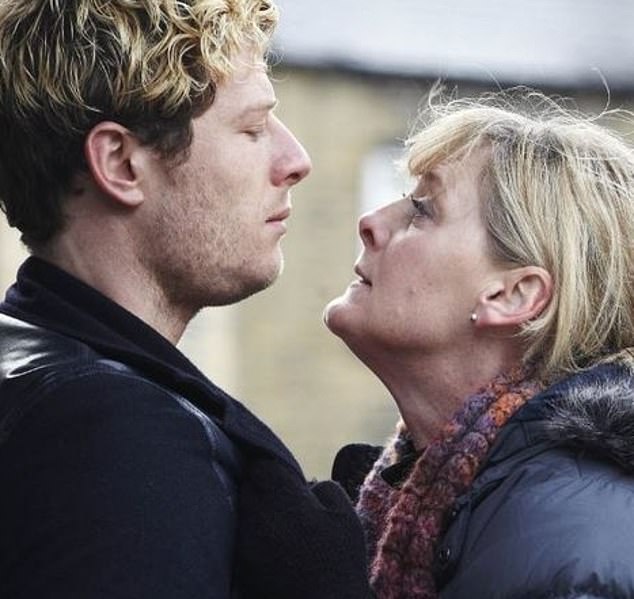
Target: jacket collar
[(592, 409), (48, 297)]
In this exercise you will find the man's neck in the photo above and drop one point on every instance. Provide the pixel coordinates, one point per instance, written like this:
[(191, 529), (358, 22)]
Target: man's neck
[(116, 274)]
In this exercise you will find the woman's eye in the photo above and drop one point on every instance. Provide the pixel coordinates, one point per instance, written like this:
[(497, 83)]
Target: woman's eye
[(422, 207)]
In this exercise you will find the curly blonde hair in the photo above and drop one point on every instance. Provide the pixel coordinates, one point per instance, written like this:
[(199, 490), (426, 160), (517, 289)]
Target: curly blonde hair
[(65, 65), (557, 192)]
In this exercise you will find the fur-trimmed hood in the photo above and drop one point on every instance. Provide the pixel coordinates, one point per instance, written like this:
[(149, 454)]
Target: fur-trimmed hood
[(594, 410)]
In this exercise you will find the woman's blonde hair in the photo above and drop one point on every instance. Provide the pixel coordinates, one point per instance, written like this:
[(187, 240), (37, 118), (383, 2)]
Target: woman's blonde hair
[(65, 65), (557, 192)]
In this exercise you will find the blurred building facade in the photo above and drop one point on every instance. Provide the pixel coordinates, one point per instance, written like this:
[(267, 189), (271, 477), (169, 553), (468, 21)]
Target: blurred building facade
[(350, 77)]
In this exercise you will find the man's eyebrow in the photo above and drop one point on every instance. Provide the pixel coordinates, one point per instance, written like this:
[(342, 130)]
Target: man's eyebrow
[(259, 107)]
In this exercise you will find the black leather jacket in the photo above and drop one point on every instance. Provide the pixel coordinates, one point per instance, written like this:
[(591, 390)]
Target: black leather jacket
[(124, 472), (79, 435)]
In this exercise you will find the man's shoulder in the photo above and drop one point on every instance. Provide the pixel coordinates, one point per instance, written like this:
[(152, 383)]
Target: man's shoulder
[(26, 348), (33, 361), (38, 360), (42, 370), (103, 467)]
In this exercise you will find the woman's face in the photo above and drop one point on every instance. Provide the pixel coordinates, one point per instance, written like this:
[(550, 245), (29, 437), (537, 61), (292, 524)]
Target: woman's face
[(424, 264)]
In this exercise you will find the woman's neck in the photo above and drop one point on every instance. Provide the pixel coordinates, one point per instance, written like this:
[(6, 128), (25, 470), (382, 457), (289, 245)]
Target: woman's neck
[(428, 390)]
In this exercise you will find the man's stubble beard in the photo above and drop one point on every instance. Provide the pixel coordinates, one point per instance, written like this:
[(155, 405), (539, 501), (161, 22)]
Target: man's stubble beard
[(197, 264)]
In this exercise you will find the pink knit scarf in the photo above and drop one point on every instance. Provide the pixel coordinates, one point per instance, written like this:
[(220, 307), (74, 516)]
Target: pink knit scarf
[(403, 525)]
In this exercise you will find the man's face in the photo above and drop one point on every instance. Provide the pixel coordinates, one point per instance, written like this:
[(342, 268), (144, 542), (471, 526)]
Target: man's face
[(218, 218)]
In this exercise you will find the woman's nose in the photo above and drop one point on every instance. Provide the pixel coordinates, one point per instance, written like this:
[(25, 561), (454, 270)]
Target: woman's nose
[(372, 230), (377, 227), (365, 230)]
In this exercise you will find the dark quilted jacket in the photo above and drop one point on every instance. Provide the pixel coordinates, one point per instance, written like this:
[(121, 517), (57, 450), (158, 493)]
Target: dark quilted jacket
[(551, 513)]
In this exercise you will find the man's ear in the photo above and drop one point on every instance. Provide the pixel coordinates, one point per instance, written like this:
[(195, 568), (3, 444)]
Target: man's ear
[(113, 157), (514, 297)]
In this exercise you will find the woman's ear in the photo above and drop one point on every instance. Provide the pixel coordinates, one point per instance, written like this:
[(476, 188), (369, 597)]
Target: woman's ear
[(113, 157), (515, 297)]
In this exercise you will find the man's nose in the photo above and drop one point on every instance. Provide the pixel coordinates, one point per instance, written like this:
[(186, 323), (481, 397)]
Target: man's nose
[(293, 163)]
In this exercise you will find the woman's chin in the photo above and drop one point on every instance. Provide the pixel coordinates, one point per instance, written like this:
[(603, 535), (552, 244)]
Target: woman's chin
[(337, 317)]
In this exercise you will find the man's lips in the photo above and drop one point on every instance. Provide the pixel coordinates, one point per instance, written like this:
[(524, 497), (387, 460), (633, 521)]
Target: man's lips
[(280, 216)]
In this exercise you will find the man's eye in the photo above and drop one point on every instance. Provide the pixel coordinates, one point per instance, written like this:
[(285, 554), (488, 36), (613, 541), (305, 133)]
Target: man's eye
[(255, 134)]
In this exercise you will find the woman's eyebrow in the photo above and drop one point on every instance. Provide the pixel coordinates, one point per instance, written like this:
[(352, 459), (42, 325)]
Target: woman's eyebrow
[(433, 179)]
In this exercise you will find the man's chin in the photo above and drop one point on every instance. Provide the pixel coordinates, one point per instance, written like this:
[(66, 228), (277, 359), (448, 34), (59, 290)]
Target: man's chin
[(249, 286)]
